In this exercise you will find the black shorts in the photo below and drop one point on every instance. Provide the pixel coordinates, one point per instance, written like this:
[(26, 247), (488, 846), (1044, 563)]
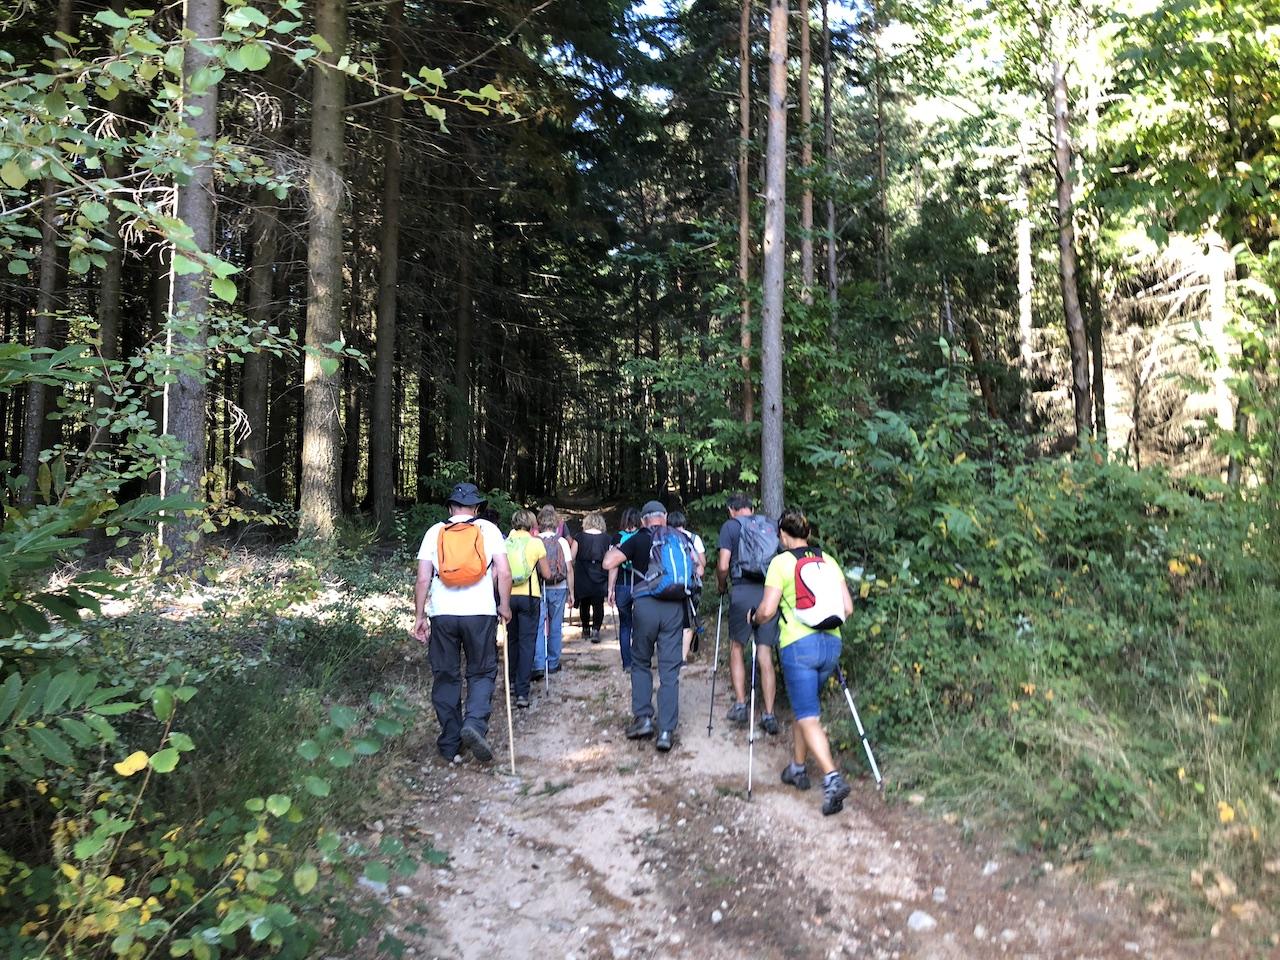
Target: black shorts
[(742, 598)]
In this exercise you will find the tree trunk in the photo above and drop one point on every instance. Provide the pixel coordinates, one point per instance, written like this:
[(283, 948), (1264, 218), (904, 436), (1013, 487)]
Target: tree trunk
[(775, 214), (352, 403), (828, 148), (1096, 352), (1026, 289), (806, 160), (321, 495), (48, 300), (744, 207), (882, 156), (383, 429), (109, 293), (1068, 259), (264, 233), (185, 399), (460, 419)]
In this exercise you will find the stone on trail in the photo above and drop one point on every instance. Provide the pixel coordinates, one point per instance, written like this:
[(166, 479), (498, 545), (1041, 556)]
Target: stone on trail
[(919, 922), (716, 916), (939, 894), (989, 868), (980, 932)]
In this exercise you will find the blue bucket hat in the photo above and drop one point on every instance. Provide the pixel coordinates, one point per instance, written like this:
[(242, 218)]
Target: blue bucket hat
[(466, 495)]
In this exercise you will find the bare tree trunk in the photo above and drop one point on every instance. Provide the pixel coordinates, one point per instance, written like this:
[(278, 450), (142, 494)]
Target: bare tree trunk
[(460, 421), (1096, 352), (109, 293), (264, 233), (806, 159), (744, 206), (775, 240), (321, 495), (382, 477), (185, 399), (48, 299), (1026, 280), (828, 152), (882, 156), (1068, 258)]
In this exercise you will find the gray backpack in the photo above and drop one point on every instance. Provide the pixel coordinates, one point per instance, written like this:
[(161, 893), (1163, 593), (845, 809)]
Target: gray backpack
[(757, 546)]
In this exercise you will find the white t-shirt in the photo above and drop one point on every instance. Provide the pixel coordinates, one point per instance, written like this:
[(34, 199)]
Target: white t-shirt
[(476, 600)]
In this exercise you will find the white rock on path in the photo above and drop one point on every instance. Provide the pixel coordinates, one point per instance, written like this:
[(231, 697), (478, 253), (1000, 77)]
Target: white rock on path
[(919, 922)]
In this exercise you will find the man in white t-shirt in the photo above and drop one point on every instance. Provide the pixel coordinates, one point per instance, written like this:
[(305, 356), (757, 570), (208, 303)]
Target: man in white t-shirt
[(459, 563)]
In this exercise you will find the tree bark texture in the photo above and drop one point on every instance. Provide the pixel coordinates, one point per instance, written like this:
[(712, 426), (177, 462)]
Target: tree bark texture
[(264, 230), (744, 207), (828, 153), (47, 302), (771, 414), (1068, 258), (1026, 279), (460, 418), (185, 399), (806, 159), (321, 499), (383, 429)]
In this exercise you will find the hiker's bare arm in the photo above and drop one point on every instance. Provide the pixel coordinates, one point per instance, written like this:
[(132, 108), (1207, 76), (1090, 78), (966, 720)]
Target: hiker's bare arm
[(421, 593), (502, 572), (722, 569), (768, 606), (569, 599), (613, 579), (614, 559), (848, 598)]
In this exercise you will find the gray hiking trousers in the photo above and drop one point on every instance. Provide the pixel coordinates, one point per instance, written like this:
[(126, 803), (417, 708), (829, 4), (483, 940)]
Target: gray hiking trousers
[(657, 626)]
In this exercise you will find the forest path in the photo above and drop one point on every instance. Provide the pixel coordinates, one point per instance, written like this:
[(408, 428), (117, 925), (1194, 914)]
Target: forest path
[(602, 847)]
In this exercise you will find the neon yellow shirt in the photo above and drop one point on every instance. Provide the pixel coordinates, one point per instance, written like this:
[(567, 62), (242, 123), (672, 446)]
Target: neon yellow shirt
[(782, 574), (534, 550)]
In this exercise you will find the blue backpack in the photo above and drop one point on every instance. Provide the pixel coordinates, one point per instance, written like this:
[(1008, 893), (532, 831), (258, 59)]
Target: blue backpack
[(671, 566)]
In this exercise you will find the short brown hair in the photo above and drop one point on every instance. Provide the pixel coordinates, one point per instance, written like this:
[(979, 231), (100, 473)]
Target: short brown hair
[(523, 519), (794, 523), (548, 518)]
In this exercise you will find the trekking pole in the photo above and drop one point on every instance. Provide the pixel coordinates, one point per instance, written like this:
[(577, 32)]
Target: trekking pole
[(546, 649), (506, 688), (751, 737), (866, 744), (711, 714)]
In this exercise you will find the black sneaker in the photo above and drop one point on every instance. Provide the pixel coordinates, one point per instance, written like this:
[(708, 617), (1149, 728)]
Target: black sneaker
[(796, 778), (556, 668), (770, 724), (537, 675), (522, 702), (834, 791), (666, 740), (737, 714), (640, 728), (479, 747), (594, 637)]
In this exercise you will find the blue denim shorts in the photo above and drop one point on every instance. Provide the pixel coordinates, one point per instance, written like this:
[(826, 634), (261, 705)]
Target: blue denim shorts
[(806, 665)]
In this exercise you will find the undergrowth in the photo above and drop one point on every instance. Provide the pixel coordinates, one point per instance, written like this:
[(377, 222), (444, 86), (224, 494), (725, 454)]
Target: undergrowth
[(1068, 647)]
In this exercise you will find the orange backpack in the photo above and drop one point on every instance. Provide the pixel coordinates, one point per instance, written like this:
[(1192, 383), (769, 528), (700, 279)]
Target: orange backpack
[(460, 554)]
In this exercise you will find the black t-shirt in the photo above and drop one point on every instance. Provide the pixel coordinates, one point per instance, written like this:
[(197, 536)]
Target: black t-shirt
[(637, 550)]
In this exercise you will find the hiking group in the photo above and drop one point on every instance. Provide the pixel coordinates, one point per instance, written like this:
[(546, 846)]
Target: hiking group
[(782, 594)]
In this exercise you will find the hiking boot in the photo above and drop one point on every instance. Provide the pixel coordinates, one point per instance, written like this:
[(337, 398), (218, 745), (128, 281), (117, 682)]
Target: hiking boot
[(537, 675), (640, 728), (834, 791), (556, 668), (522, 702), (479, 747), (666, 740), (594, 637), (796, 776), (737, 714), (770, 724)]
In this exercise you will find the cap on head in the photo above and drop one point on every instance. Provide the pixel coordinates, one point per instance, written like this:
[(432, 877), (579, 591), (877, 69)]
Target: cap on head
[(466, 495), (653, 509)]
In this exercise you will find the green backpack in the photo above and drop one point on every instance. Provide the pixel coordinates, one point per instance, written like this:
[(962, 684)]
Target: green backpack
[(518, 559)]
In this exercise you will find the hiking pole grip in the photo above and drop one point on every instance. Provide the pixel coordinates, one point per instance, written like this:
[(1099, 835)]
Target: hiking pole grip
[(715, 663), (857, 721)]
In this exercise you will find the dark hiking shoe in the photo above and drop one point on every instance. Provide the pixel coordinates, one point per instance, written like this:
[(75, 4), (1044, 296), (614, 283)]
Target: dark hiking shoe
[(478, 745), (737, 714), (666, 740), (522, 702), (595, 637), (556, 668), (537, 675), (797, 777), (834, 791), (640, 728), (770, 724)]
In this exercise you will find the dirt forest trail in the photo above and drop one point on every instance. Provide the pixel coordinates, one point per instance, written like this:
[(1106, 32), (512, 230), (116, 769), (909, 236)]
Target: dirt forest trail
[(601, 847)]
